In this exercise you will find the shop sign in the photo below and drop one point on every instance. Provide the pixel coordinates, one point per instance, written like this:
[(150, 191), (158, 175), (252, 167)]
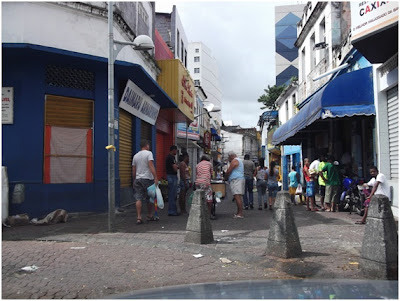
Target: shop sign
[(207, 139), (372, 16), (7, 105), (177, 83), (193, 130), (138, 103)]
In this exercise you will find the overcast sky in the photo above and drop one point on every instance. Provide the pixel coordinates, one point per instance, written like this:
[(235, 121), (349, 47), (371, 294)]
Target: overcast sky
[(241, 36)]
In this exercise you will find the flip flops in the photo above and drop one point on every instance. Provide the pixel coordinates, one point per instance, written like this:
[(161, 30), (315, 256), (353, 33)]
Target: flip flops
[(152, 219), (238, 216), (139, 221)]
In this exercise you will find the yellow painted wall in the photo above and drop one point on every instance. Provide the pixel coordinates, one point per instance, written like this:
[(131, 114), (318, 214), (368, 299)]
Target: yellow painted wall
[(175, 80)]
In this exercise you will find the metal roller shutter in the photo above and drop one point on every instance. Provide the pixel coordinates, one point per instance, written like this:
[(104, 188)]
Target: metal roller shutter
[(125, 148), (68, 140), (393, 124)]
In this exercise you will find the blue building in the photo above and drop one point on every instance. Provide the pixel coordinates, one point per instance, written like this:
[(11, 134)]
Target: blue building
[(286, 54), (55, 146)]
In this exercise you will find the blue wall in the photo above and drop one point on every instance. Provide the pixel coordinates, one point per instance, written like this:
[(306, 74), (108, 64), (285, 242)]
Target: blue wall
[(24, 69)]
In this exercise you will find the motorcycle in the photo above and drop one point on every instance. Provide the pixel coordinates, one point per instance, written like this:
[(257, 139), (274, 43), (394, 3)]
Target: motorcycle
[(352, 198)]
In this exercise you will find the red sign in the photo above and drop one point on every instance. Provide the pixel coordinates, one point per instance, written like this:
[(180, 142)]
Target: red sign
[(207, 139)]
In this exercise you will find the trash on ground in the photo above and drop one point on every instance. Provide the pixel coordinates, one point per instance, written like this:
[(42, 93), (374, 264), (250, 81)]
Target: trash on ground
[(224, 231), (225, 260), (218, 200), (353, 262), (30, 268), (198, 255), (57, 216), (77, 248), (18, 220)]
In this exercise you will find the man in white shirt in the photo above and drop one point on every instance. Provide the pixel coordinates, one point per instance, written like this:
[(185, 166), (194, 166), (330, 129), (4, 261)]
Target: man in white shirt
[(143, 175), (380, 186)]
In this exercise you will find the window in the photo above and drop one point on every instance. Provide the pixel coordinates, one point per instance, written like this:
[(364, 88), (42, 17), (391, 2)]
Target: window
[(142, 13), (313, 62), (185, 58), (294, 103), (182, 50), (197, 82), (197, 50), (197, 59), (68, 140), (177, 43), (196, 70), (303, 65), (287, 110)]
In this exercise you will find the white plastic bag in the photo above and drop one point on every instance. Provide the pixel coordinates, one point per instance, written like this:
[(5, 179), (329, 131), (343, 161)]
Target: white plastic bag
[(160, 200)]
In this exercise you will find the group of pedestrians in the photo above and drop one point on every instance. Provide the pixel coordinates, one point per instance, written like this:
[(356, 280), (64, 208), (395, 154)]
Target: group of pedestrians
[(144, 175), (240, 176)]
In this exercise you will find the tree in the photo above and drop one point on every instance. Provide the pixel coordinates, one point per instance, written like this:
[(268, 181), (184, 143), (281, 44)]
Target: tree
[(270, 96)]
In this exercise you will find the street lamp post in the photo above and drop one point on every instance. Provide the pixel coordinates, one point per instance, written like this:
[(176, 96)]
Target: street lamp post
[(141, 42)]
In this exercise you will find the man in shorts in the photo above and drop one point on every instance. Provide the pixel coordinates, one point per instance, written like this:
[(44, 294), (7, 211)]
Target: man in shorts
[(332, 181), (143, 175), (380, 186), (321, 182), (235, 175)]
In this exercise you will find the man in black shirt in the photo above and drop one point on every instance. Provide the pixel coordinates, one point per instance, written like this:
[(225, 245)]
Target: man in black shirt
[(172, 178)]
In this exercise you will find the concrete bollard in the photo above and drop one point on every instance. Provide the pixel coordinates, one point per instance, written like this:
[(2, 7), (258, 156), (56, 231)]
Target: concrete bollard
[(379, 251), (283, 239), (198, 229)]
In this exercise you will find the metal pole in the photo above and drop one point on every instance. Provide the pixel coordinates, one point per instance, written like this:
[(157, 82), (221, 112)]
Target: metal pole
[(187, 138), (111, 141)]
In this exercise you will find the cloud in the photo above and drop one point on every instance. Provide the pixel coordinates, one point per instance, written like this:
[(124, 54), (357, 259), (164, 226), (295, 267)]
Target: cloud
[(241, 36)]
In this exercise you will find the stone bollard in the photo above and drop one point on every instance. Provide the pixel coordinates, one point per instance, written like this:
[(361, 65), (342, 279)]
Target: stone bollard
[(283, 239), (198, 229), (379, 251)]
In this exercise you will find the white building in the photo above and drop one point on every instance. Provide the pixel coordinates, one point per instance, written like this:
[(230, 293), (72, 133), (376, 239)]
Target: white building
[(203, 69), (170, 27), (380, 27), (233, 142)]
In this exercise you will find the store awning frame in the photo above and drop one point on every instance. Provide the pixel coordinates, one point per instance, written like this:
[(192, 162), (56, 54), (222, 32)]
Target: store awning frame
[(350, 94)]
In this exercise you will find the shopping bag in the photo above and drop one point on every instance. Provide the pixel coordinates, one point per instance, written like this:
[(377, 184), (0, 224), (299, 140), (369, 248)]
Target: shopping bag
[(299, 189), (160, 200), (151, 192)]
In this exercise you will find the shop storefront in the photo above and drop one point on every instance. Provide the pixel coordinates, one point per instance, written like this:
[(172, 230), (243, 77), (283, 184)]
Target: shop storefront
[(338, 119), (177, 83), (55, 142), (374, 25)]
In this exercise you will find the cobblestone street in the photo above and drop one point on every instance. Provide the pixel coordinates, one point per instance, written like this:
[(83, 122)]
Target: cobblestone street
[(80, 259)]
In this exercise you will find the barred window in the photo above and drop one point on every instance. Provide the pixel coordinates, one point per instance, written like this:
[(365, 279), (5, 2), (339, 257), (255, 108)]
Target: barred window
[(69, 78)]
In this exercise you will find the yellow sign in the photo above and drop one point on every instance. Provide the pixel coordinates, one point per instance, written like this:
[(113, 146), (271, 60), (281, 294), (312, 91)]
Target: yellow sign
[(175, 80)]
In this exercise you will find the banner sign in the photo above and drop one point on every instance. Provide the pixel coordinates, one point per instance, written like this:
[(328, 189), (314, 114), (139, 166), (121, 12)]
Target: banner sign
[(138, 103), (193, 130), (371, 16), (7, 105)]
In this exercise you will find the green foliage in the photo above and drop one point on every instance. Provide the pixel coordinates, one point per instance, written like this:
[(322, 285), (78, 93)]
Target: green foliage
[(270, 96)]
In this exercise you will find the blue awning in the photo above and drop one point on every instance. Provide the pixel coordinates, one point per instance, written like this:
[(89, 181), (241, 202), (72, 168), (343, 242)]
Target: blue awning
[(347, 95), (214, 133)]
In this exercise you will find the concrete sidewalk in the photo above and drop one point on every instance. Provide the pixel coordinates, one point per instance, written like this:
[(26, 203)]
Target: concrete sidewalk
[(80, 259)]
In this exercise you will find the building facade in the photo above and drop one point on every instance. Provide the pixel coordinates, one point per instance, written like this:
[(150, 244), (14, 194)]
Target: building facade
[(55, 82), (204, 70), (335, 90), (286, 53), (375, 35)]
